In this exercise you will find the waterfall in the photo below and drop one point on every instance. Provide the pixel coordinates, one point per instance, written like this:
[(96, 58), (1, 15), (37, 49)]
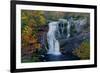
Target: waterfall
[(63, 22), (53, 43), (62, 29), (68, 29)]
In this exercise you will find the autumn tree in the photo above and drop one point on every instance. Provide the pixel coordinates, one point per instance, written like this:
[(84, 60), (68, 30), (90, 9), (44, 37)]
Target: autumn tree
[(30, 22), (83, 51)]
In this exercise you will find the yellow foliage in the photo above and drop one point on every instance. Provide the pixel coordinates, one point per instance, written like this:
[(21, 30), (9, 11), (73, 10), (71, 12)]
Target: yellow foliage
[(30, 21), (24, 17), (42, 20), (37, 45), (27, 30), (83, 51)]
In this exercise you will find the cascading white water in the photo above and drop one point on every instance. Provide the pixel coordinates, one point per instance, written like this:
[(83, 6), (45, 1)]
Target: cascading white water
[(62, 29), (53, 43), (68, 30), (62, 22)]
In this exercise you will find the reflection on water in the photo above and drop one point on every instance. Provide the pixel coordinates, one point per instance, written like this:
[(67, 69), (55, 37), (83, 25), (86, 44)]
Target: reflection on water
[(50, 57)]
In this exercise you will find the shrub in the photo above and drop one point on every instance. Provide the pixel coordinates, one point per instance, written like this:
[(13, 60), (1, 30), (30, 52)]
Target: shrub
[(83, 51)]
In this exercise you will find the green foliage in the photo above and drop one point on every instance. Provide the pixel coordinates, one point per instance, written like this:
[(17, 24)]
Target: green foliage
[(53, 15), (34, 58), (83, 51), (34, 18)]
